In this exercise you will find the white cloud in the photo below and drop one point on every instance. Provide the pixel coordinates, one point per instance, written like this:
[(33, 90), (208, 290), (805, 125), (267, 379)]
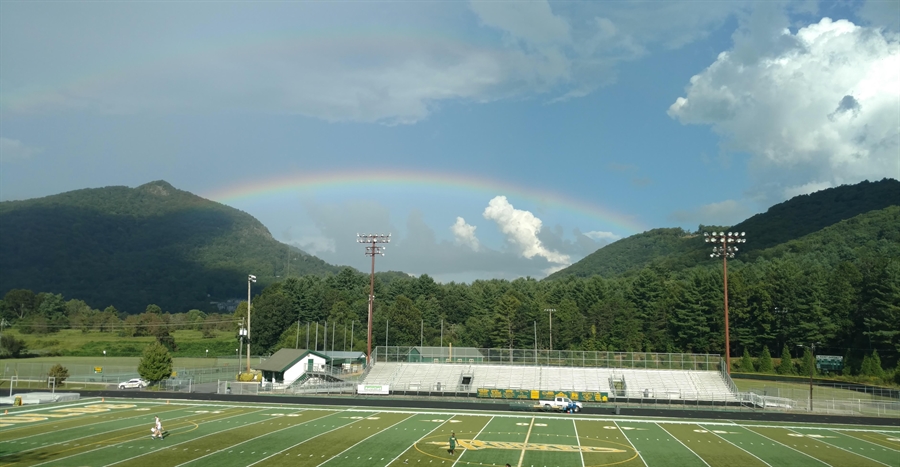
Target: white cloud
[(603, 236), (521, 228), (820, 107), (14, 150), (465, 234), (728, 212), (532, 22), (805, 189)]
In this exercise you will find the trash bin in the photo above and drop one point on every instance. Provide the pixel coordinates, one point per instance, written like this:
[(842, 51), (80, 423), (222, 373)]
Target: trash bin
[(438, 386), (17, 401), (617, 410)]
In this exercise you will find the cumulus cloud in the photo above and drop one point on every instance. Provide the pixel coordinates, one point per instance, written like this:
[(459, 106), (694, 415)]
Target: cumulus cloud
[(465, 234), (15, 150), (728, 212), (521, 229), (815, 108)]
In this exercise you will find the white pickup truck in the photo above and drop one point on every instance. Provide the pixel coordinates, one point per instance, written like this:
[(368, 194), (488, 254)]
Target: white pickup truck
[(561, 403)]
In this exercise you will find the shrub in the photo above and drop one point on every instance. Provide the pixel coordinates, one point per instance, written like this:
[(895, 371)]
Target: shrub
[(59, 372), (765, 362), (747, 362), (14, 347), (786, 367)]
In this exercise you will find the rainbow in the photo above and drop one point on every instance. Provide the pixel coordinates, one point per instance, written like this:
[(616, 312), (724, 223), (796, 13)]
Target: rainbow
[(287, 184)]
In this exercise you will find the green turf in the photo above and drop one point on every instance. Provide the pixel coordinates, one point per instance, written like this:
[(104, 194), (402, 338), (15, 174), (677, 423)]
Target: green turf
[(219, 434)]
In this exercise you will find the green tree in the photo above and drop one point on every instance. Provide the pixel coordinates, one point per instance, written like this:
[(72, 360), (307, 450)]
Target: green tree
[(871, 366), (59, 372), (786, 367), (746, 362), (156, 363), (12, 346), (765, 361), (806, 363)]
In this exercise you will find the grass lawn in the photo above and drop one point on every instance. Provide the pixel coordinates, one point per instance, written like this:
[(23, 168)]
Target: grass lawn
[(73, 342), (796, 390), (117, 432)]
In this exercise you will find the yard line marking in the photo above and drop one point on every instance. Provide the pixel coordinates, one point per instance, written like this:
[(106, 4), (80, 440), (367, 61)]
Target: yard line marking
[(865, 440), (525, 445), (65, 442), (785, 445), (476, 436), (309, 439), (420, 439), (363, 440), (685, 446), (251, 439), (578, 440), (735, 445), (128, 441), (626, 439), (842, 449), (79, 427)]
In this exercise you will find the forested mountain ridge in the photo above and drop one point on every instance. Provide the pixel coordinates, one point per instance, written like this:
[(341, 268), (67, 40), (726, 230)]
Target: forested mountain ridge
[(130, 247), (676, 248)]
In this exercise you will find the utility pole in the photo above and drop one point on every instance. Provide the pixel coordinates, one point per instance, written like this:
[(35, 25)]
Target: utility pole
[(372, 248), (250, 279), (551, 310), (723, 249)]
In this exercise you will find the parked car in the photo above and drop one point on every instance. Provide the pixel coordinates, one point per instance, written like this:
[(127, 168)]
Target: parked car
[(133, 383)]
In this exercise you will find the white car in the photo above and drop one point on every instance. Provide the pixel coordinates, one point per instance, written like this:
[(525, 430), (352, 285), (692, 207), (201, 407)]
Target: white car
[(133, 383)]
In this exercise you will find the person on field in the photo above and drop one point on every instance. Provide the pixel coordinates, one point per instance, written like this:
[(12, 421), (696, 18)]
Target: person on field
[(157, 429), (452, 443)]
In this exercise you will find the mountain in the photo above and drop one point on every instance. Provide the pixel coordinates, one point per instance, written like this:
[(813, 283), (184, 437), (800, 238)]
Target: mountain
[(130, 247), (675, 248)]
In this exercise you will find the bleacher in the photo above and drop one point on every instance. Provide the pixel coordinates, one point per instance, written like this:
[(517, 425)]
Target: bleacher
[(633, 383)]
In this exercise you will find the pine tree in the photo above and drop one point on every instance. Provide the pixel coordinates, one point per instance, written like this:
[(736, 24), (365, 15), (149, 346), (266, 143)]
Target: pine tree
[(786, 367), (156, 363), (806, 363), (746, 362), (871, 366), (765, 362)]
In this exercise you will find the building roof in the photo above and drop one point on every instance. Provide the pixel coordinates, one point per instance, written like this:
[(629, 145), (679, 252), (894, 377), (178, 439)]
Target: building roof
[(285, 358), (448, 352), (344, 355)]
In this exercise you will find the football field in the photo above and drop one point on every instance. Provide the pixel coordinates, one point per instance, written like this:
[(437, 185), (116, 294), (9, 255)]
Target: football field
[(117, 432)]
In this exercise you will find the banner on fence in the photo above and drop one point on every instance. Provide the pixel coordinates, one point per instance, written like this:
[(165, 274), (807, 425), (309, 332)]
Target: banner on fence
[(382, 389), (531, 394)]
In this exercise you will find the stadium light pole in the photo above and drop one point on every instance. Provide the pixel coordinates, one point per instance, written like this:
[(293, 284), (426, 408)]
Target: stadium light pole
[(722, 248), (372, 248), (250, 279)]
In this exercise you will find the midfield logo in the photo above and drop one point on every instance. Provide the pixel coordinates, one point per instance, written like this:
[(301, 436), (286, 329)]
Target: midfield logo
[(477, 445)]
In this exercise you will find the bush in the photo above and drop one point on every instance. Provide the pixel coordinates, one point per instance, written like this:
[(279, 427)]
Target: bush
[(59, 372), (871, 366), (12, 346), (156, 363)]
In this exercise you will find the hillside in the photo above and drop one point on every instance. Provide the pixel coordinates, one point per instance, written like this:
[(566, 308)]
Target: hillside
[(129, 247), (676, 249)]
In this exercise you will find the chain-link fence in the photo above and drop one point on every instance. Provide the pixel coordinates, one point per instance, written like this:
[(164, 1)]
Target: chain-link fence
[(530, 357)]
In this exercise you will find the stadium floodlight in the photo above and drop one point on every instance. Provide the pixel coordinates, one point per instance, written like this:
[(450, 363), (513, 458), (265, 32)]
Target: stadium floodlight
[(725, 251), (373, 248)]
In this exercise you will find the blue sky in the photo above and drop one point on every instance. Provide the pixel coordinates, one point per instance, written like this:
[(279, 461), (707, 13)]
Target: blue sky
[(522, 135)]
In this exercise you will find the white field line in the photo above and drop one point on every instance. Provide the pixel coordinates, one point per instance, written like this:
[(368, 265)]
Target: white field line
[(845, 450), (74, 416), (63, 406), (629, 442), (476, 436), (135, 439), (525, 445), (364, 440), (420, 439), (248, 440), (685, 446), (874, 444), (92, 434), (735, 445), (307, 439), (785, 445), (578, 440)]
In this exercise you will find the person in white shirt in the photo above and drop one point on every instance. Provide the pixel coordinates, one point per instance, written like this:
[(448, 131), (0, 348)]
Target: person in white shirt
[(157, 430)]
